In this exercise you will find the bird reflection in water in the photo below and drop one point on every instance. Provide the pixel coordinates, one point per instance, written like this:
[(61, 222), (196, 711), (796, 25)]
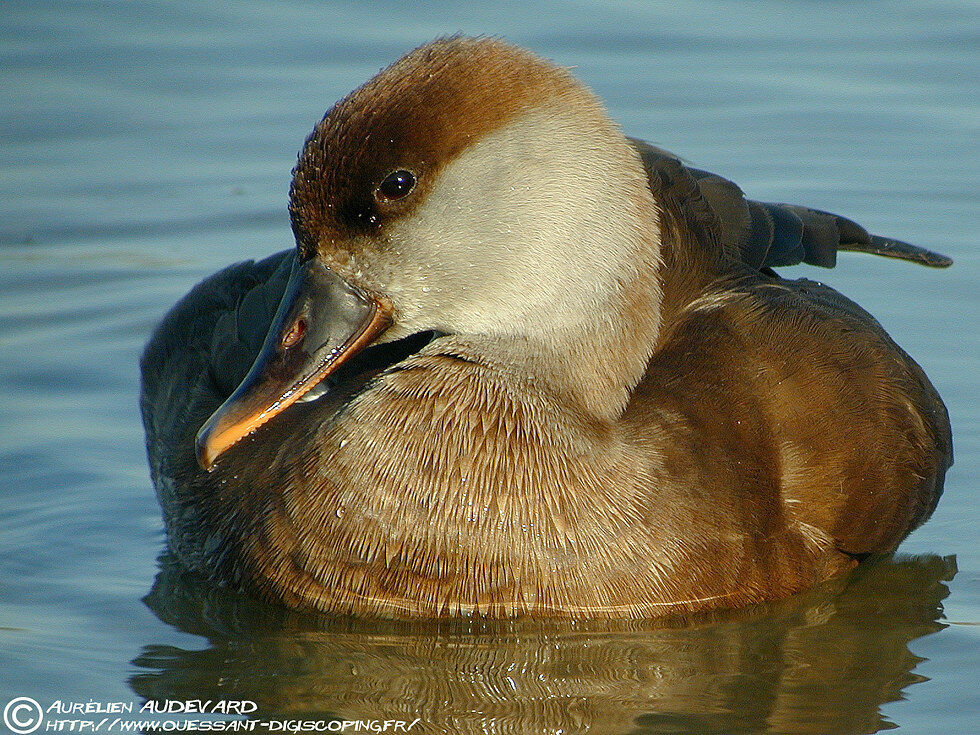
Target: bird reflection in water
[(821, 662)]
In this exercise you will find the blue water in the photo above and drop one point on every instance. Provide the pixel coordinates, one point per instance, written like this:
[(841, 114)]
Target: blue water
[(145, 145)]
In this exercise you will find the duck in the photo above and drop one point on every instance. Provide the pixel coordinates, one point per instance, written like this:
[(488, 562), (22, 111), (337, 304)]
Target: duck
[(521, 365)]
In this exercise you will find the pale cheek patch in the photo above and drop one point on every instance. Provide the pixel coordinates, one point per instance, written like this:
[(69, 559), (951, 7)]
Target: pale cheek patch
[(533, 229)]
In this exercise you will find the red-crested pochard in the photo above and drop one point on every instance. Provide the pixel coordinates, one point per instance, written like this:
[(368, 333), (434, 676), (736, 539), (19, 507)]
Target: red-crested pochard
[(519, 364)]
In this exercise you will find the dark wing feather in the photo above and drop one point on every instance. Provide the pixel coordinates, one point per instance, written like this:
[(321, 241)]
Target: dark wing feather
[(766, 235), (203, 349)]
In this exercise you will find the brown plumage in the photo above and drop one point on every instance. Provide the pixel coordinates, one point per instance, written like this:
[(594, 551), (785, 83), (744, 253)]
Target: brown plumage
[(587, 393)]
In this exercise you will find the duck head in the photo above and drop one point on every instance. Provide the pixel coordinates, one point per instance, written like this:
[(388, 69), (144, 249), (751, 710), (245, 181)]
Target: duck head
[(470, 189)]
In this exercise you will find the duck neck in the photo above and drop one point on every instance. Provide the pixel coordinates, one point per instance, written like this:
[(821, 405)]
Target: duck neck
[(595, 367), (589, 367), (596, 358)]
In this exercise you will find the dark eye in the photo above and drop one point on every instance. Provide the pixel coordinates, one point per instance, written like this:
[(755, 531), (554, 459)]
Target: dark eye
[(397, 184)]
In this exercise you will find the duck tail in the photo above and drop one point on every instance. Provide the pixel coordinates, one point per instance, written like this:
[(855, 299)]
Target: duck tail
[(763, 234), (795, 234)]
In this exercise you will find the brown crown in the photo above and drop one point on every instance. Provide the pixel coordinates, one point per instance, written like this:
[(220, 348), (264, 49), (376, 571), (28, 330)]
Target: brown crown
[(418, 114)]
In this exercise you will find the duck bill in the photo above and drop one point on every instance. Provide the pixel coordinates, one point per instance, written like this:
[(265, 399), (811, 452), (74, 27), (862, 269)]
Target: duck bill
[(321, 322)]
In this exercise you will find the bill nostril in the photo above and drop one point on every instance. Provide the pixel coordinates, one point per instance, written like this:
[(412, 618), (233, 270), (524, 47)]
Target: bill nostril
[(295, 334)]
